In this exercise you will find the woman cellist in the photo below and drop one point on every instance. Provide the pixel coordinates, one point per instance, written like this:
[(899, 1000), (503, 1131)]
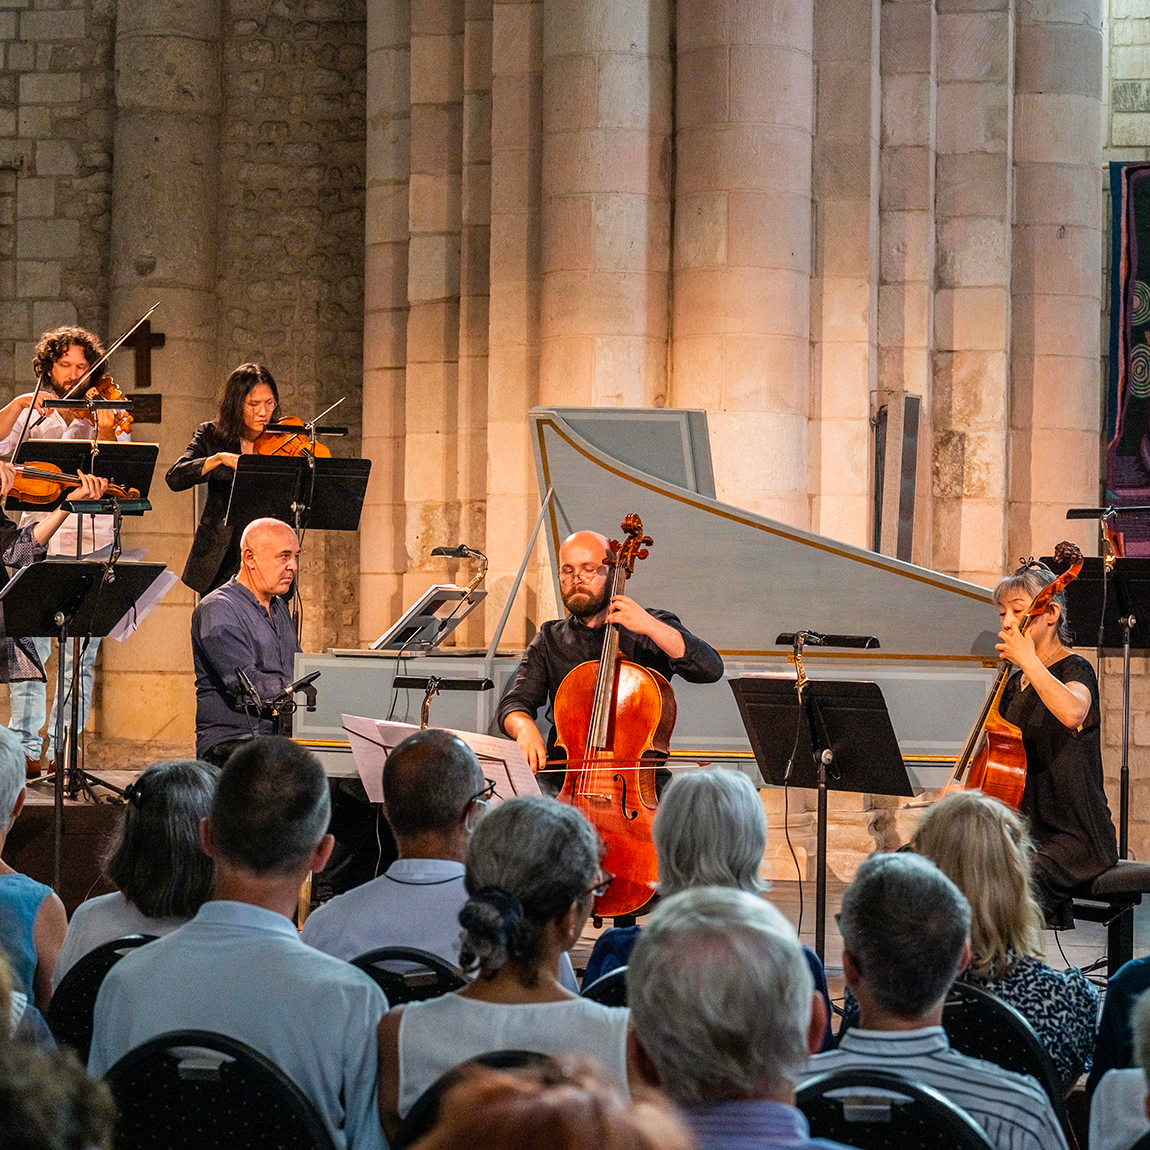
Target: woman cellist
[(1052, 695), (250, 400)]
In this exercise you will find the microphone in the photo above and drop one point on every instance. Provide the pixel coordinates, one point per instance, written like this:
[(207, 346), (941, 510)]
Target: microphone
[(247, 685), (460, 552), (303, 686), (815, 639)]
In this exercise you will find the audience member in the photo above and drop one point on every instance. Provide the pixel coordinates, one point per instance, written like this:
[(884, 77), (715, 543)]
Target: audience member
[(532, 875), (1115, 1047), (1120, 1108), (25, 1022), (906, 936), (983, 848), (723, 1015), (47, 1102), (239, 968), (553, 1106), (709, 830), (156, 862), (32, 917)]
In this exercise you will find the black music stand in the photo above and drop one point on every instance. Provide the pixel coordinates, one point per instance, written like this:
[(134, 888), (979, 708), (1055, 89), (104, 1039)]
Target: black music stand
[(320, 494), (63, 597), (1111, 604), (126, 464), (842, 740)]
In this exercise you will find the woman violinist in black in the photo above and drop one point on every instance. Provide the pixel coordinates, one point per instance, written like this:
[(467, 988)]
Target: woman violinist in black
[(1053, 697), (250, 400)]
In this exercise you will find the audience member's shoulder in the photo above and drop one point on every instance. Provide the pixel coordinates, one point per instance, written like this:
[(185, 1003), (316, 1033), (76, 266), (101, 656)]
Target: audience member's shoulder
[(1131, 977)]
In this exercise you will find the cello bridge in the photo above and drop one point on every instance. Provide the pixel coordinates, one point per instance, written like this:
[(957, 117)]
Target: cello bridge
[(594, 797)]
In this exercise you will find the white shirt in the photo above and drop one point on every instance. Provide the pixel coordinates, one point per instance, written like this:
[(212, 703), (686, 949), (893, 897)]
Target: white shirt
[(100, 920), (1118, 1110), (97, 528), (439, 1034), (1012, 1108), (242, 971), (415, 902)]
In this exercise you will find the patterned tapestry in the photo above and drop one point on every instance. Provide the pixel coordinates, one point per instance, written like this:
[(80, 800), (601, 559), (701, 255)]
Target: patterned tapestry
[(1128, 458)]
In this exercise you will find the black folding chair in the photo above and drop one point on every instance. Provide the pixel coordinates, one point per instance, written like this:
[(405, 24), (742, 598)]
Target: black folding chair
[(70, 1012), (982, 1025), (875, 1110), (195, 1090), (610, 990), (425, 1110), (407, 974)]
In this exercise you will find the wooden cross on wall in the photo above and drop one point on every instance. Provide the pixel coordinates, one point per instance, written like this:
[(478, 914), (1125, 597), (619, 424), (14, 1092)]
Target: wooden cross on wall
[(142, 340)]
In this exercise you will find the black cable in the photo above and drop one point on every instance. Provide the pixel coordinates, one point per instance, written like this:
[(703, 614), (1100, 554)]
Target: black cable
[(786, 814)]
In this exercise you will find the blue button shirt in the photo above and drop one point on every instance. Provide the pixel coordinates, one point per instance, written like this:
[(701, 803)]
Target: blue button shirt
[(242, 971), (231, 630), (760, 1125)]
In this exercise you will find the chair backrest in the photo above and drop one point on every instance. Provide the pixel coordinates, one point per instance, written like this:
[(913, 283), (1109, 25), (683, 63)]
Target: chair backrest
[(875, 1110), (407, 974), (202, 1091), (982, 1025), (70, 1012), (610, 990), (424, 1112)]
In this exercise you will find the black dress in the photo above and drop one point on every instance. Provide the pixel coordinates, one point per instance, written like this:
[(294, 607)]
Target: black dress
[(215, 554), (1064, 801)]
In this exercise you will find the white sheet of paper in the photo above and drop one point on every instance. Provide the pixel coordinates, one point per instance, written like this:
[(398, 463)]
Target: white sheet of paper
[(372, 740), (143, 606)]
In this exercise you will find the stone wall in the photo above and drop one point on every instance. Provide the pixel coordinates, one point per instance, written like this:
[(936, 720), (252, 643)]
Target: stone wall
[(55, 174)]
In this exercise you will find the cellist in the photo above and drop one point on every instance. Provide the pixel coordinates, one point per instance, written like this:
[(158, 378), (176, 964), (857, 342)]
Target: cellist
[(1052, 695), (652, 638)]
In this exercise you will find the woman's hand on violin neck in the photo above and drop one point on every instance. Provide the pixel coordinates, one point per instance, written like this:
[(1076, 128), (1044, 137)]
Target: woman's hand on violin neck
[(1017, 648), (628, 614), (90, 487), (7, 478)]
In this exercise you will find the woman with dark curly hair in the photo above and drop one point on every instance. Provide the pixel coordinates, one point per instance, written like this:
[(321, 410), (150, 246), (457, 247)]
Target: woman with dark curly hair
[(250, 400), (532, 875)]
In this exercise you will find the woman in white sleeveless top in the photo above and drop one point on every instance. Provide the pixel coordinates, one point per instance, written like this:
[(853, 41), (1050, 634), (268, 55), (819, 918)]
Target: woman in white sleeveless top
[(532, 874)]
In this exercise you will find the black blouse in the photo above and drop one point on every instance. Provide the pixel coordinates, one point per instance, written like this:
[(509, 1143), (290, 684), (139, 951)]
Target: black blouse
[(1064, 800)]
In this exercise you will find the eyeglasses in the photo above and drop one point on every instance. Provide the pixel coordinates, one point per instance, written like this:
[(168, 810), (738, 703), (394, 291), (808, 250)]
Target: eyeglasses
[(483, 796), (585, 574), (601, 887)]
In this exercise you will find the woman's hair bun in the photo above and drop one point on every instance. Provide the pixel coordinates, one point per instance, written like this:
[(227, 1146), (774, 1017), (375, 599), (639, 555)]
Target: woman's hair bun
[(492, 921)]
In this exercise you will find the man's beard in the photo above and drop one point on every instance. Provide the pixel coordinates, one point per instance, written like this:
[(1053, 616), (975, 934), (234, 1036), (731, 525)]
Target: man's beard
[(584, 604)]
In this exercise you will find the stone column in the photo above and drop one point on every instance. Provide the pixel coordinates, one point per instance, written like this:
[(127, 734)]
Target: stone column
[(513, 372), (606, 202), (973, 305), (163, 248), (1057, 274), (434, 205), (906, 224), (382, 557), (844, 279), (742, 243)]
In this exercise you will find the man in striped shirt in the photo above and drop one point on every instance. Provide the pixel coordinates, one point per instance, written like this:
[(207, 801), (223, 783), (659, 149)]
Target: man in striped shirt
[(723, 1015), (905, 929)]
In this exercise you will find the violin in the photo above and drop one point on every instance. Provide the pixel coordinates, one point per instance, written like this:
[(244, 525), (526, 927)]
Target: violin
[(611, 717), (45, 483), (993, 752), (106, 389), (289, 442)]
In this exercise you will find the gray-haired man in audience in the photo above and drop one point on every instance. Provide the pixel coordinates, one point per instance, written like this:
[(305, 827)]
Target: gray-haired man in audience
[(724, 1014), (239, 969), (906, 935)]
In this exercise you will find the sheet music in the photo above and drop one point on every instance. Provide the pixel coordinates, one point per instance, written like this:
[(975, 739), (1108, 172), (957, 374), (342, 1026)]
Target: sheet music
[(144, 606), (501, 760)]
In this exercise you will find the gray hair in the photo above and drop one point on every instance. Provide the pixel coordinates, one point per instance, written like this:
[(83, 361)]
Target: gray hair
[(904, 923), (1028, 581), (527, 862), (1140, 1028), (720, 995), (12, 772), (710, 830), (429, 781)]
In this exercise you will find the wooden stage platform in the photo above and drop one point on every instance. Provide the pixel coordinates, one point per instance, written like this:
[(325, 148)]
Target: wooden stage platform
[(88, 827)]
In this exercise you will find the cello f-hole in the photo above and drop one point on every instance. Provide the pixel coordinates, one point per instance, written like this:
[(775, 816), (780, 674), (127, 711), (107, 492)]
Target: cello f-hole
[(629, 815)]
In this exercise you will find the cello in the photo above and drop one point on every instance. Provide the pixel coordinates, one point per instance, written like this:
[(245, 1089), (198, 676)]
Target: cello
[(993, 752), (611, 717)]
